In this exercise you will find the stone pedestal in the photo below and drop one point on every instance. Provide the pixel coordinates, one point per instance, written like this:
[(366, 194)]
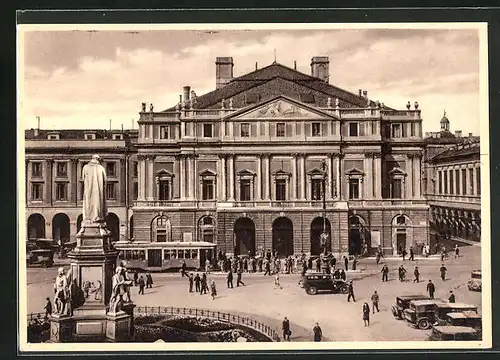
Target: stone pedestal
[(118, 327), (61, 329)]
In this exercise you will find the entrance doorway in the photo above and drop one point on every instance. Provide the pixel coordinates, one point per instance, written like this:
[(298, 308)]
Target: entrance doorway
[(154, 257), (400, 240), (113, 224), (244, 235), (60, 228), (355, 235), (36, 226), (316, 231), (283, 236)]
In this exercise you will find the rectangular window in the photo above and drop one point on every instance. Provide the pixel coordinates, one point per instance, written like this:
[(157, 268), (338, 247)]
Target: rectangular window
[(164, 132), (164, 187), (445, 182), (440, 182), (464, 182), (161, 235), (396, 130), (61, 192), (111, 169), (396, 189), (316, 186), (280, 189), (62, 169), (457, 182), (478, 181), (353, 129), (136, 169), (245, 130), (207, 190), (245, 190), (316, 129), (136, 190), (207, 130), (166, 254), (110, 191), (36, 191), (353, 188), (280, 129), (412, 129), (36, 169), (471, 182), (452, 190)]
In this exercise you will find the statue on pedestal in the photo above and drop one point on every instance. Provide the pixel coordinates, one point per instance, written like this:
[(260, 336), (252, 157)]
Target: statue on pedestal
[(121, 286), (94, 200), (62, 296)]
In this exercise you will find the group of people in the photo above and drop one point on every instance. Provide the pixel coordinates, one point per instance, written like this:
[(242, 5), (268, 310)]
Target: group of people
[(143, 283), (201, 284), (287, 332)]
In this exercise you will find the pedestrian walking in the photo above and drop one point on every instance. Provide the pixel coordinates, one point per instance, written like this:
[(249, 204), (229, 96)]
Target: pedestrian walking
[(285, 326), (351, 292), (416, 273), (213, 289), (204, 284), (443, 270), (304, 269), (354, 263), (48, 308), (451, 299), (346, 263), (457, 251), (385, 273), (333, 262), (149, 281), (207, 266), (412, 254), (191, 282), (343, 275), (318, 334), (183, 269), (377, 257), (230, 279), (277, 280), (366, 314), (375, 300), (404, 254), (197, 282), (238, 278), (402, 273), (141, 283), (267, 267), (136, 277), (431, 289)]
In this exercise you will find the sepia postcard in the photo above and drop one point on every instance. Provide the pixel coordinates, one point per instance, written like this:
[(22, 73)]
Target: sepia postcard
[(200, 187)]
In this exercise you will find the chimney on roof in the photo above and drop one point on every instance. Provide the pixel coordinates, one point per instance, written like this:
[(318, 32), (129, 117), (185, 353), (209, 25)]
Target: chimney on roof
[(295, 64), (186, 90), (256, 65), (320, 67), (223, 71), (365, 94), (458, 133), (360, 92), (36, 131), (470, 134)]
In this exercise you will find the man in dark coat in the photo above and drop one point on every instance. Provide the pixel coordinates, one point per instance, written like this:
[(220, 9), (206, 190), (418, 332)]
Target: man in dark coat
[(346, 263), (48, 308), (285, 326), (443, 270), (416, 272), (431, 289), (351, 293), (230, 279), (191, 282), (136, 277), (343, 275), (149, 281), (142, 284), (204, 284), (375, 301), (451, 299), (197, 282), (402, 273), (317, 332), (385, 273), (238, 278), (412, 254), (183, 269)]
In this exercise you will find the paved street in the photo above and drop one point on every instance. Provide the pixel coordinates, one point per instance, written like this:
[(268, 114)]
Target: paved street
[(340, 320)]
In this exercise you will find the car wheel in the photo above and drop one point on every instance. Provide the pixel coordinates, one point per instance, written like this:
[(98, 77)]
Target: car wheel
[(312, 290), (424, 324), (344, 289)]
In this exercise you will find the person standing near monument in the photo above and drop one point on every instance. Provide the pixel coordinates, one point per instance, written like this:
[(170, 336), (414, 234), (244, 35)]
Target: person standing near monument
[(318, 334), (94, 185)]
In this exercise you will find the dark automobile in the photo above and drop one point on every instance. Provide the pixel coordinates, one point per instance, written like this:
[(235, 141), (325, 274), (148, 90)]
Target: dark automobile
[(475, 282), (403, 302), (465, 318), (453, 333), (425, 313), (42, 257), (314, 282)]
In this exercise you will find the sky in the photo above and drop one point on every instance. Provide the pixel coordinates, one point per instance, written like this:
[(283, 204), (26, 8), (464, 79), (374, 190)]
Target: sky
[(84, 79)]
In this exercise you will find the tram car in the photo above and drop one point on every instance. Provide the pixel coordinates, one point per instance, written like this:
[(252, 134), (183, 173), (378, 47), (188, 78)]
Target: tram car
[(167, 256)]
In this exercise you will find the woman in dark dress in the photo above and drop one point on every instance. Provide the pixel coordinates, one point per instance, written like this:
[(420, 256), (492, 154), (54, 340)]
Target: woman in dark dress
[(366, 314)]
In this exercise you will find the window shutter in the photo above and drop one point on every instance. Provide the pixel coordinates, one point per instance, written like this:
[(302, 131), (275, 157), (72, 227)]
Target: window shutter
[(272, 129), (288, 129), (323, 129), (307, 129), (362, 125), (253, 129)]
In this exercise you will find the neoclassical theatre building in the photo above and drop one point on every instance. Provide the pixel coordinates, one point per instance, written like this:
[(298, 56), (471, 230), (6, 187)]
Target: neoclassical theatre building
[(243, 167)]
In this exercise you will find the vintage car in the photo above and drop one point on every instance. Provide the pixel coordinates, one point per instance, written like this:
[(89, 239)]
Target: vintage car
[(474, 283), (465, 318), (314, 282), (425, 313), (456, 333), (403, 302), (41, 257)]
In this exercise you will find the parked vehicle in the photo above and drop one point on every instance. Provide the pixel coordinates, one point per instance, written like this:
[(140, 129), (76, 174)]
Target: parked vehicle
[(453, 333), (403, 302), (467, 319), (41, 257), (424, 313), (475, 283), (314, 282)]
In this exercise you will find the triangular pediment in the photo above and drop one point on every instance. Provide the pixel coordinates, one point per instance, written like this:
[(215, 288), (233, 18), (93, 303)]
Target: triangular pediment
[(164, 173), (354, 171), (397, 171), (207, 172), (281, 172), (280, 108), (245, 172), (315, 171)]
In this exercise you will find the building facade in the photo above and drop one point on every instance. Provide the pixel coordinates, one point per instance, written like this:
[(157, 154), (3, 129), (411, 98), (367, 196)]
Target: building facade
[(54, 185)]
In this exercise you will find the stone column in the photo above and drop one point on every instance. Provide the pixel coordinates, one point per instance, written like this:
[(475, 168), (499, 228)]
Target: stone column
[(231, 177), (48, 181), (409, 178), (342, 183), (293, 192), (151, 131), (27, 183), (378, 175), (189, 177), (303, 177), (368, 188), (258, 180), (337, 177), (223, 185), (267, 176), (142, 177), (195, 177), (150, 190), (329, 177), (182, 177), (418, 175)]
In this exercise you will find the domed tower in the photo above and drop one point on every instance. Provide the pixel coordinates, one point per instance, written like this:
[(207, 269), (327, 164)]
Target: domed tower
[(445, 123)]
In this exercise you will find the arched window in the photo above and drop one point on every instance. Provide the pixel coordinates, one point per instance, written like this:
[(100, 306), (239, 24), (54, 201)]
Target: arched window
[(207, 229), (161, 229)]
